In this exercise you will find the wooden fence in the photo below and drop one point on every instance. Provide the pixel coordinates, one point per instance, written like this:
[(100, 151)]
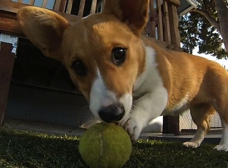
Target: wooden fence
[(162, 24)]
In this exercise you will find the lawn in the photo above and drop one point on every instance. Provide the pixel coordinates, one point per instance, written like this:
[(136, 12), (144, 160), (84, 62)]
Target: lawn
[(24, 149)]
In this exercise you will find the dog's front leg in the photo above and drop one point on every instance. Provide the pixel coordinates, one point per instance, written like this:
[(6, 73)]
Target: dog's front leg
[(146, 108)]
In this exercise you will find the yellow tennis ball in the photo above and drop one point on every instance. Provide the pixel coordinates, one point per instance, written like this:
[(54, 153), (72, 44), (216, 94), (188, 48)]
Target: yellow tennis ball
[(105, 146)]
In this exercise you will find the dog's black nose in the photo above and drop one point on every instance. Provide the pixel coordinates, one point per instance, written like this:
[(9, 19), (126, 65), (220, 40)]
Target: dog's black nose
[(112, 113)]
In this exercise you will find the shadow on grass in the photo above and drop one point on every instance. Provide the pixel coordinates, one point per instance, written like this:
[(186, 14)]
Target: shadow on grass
[(166, 154), (27, 149), (35, 150)]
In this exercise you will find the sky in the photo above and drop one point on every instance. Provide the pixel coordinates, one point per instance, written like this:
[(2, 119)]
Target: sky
[(50, 3), (223, 62)]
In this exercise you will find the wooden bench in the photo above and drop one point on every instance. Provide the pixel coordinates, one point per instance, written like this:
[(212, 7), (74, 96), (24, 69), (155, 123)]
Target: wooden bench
[(10, 27)]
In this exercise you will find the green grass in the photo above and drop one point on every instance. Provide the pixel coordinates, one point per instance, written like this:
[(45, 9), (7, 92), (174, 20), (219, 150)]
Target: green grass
[(23, 149)]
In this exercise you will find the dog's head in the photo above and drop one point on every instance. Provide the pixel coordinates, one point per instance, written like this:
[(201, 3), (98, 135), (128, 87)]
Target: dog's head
[(102, 52)]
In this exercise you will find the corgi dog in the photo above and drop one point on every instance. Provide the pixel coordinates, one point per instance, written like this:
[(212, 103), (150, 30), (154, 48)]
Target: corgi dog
[(126, 77)]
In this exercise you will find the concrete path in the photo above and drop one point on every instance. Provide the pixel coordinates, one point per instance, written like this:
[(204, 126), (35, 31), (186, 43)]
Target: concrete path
[(212, 137)]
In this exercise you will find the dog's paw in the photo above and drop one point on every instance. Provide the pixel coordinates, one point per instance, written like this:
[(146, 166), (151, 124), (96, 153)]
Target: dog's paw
[(222, 147), (191, 144), (89, 123), (133, 128)]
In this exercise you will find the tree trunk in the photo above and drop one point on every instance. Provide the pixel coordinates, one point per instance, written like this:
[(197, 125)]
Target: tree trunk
[(222, 10)]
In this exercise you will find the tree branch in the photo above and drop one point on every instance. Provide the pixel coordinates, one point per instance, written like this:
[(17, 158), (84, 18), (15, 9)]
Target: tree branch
[(208, 17), (205, 5), (222, 10)]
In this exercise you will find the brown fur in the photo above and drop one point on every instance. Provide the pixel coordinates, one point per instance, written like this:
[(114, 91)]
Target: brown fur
[(93, 31), (91, 40)]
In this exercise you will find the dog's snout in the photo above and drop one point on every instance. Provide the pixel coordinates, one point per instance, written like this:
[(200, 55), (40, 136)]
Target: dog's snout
[(112, 113)]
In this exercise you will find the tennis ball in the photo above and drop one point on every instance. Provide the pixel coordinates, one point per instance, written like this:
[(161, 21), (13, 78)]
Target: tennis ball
[(105, 146)]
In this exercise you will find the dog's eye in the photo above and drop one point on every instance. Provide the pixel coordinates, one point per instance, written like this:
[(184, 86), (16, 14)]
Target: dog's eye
[(79, 68), (118, 55)]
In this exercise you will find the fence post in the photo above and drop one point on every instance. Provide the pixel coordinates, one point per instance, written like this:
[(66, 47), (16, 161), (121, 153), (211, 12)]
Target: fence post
[(8, 46), (171, 125), (174, 22)]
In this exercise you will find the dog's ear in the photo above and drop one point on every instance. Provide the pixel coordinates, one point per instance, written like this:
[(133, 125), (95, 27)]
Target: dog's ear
[(132, 12), (44, 28)]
